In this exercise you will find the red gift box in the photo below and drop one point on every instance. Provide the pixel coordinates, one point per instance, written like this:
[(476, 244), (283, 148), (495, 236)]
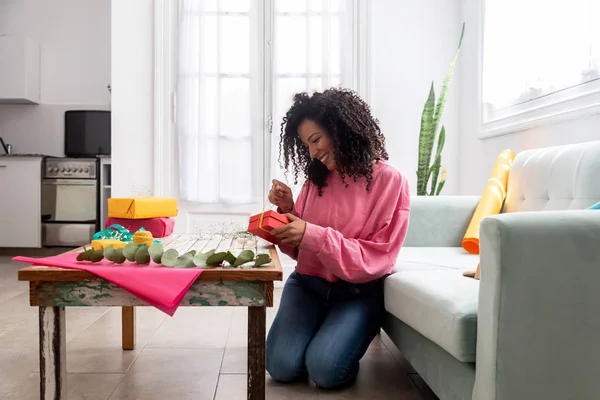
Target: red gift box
[(159, 227), (262, 224)]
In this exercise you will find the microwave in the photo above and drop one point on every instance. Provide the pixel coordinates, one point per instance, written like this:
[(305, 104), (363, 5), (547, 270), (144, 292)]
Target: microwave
[(87, 133)]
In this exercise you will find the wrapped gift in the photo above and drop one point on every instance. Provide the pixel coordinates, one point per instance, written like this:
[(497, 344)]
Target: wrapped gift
[(159, 227), (262, 224), (101, 244), (142, 207)]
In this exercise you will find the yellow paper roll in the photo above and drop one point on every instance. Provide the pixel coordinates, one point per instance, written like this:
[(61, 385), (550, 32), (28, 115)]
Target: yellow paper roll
[(491, 200)]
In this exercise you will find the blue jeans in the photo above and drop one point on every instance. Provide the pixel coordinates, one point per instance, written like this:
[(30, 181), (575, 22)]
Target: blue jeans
[(323, 329)]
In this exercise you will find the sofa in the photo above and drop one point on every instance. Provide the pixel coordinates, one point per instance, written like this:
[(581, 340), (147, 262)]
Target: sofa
[(530, 327)]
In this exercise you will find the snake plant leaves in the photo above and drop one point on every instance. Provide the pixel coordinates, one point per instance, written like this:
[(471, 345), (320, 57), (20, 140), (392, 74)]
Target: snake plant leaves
[(169, 258), (216, 258), (156, 252), (142, 256), (118, 256), (84, 255), (261, 259), (109, 252), (130, 250), (244, 257)]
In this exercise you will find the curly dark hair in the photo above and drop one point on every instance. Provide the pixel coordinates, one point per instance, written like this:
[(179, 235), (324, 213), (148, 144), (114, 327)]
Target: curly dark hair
[(355, 134)]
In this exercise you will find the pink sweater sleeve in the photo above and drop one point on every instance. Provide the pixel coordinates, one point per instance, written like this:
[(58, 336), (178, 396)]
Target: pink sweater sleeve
[(288, 250), (363, 260)]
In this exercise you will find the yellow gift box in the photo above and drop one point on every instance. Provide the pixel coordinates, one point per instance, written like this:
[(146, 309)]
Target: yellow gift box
[(101, 244), (142, 207)]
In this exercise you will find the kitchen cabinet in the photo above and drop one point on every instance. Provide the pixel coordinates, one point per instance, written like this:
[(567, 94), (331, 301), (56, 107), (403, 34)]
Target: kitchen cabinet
[(20, 201), (19, 70)]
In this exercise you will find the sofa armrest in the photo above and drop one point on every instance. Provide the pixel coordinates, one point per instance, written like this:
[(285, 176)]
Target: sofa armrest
[(539, 306), (439, 221)]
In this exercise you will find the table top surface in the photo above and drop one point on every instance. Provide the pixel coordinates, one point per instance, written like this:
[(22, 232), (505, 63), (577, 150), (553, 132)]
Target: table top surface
[(182, 243)]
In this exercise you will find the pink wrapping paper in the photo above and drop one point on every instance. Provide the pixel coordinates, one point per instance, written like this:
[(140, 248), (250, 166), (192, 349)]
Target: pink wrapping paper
[(159, 227), (158, 286)]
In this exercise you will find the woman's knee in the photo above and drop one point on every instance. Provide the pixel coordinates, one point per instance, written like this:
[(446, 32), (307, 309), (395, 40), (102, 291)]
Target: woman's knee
[(283, 364), (328, 372)]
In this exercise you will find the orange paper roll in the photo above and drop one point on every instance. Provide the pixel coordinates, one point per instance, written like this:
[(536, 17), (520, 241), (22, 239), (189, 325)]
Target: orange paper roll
[(491, 200)]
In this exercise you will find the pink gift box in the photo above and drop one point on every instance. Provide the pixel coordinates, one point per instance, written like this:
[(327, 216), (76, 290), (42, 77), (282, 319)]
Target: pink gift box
[(159, 227)]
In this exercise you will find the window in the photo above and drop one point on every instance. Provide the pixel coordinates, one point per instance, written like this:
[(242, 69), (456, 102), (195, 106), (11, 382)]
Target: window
[(541, 60), (239, 62)]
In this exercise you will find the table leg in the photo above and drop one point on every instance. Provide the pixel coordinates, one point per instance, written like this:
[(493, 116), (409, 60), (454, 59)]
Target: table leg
[(53, 354), (128, 328), (256, 352)]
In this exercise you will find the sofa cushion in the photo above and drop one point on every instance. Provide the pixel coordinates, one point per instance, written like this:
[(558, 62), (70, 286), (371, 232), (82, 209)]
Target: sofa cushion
[(421, 258), (428, 292)]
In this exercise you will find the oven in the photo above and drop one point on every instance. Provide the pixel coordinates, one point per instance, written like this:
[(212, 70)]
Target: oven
[(69, 201)]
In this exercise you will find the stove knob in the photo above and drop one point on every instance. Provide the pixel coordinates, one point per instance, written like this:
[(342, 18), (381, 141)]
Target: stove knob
[(80, 170), (86, 170)]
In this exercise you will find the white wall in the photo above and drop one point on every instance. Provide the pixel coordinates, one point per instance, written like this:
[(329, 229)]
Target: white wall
[(477, 157), (413, 43), (74, 36), (132, 96)]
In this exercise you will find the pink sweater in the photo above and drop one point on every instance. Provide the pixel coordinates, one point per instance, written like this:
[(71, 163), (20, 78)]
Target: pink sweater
[(352, 234)]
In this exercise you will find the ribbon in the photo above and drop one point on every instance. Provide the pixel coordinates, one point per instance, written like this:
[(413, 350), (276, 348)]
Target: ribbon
[(260, 222), (262, 214)]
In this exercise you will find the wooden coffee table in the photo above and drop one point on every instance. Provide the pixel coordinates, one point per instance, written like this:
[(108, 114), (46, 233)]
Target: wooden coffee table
[(52, 289)]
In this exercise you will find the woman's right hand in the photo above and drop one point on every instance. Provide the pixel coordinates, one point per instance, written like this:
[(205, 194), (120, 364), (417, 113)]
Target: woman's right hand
[(280, 195)]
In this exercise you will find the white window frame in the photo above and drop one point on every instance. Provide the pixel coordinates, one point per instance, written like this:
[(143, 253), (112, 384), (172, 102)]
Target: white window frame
[(165, 96), (569, 104)]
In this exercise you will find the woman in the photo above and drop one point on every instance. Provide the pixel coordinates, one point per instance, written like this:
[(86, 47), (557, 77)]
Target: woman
[(346, 229)]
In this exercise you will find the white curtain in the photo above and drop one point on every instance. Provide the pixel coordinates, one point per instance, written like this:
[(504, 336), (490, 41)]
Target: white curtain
[(533, 48), (313, 51), (216, 106), (234, 84)]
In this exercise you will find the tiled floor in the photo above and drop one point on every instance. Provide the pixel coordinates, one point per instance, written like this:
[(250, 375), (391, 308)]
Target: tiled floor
[(200, 353)]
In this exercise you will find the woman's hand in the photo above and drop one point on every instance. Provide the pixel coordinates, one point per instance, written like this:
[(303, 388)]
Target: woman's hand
[(292, 233), (280, 195)]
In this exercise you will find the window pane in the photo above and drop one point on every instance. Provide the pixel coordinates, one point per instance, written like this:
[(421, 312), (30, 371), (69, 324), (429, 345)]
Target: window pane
[(235, 170), (335, 45), (334, 81), (189, 62), (208, 51), (285, 89), (234, 103), (315, 84), (522, 64), (198, 177), (235, 44), (208, 108), (329, 5), (315, 44), (187, 119), (290, 44), (188, 153), (290, 5), (234, 5), (206, 167), (199, 5)]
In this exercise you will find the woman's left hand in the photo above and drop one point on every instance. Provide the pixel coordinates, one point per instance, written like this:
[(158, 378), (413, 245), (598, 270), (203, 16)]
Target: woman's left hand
[(292, 233)]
